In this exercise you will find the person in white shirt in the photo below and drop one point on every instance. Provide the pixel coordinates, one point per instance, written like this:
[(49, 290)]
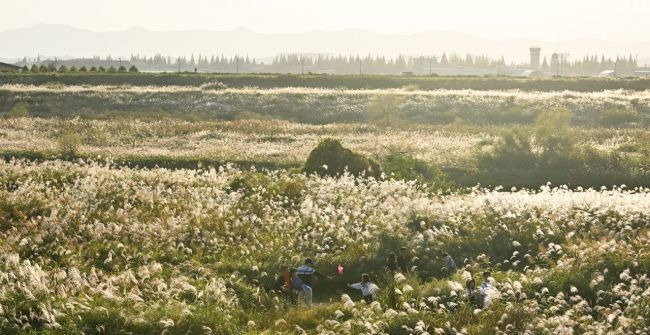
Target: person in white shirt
[(368, 289), (484, 290)]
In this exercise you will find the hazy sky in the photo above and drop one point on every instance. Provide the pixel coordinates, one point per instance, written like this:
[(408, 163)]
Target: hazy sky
[(627, 20)]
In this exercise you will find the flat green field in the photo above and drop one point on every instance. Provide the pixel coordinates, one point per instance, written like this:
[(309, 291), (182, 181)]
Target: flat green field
[(581, 84)]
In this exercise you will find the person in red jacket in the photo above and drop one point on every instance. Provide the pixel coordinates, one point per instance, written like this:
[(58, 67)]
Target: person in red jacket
[(283, 281)]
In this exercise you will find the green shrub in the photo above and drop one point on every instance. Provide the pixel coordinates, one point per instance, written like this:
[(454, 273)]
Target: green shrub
[(528, 158), (18, 110), (513, 150), (133, 69), (54, 85), (554, 137), (69, 142), (619, 117), (405, 167), (510, 113), (384, 110), (551, 145), (261, 186), (330, 158), (112, 69), (121, 69)]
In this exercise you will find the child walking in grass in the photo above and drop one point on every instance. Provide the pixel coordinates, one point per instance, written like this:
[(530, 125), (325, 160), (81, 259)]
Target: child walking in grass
[(368, 289)]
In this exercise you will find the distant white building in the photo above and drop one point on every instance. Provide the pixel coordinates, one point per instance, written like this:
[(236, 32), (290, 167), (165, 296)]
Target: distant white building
[(607, 74), (532, 74), (642, 73)]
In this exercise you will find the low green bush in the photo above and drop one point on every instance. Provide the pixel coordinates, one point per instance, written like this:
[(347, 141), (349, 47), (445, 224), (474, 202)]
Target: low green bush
[(619, 118), (18, 110), (69, 142), (404, 167)]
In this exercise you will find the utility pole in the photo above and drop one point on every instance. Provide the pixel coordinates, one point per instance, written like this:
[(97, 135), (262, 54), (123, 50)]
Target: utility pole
[(237, 61), (120, 61)]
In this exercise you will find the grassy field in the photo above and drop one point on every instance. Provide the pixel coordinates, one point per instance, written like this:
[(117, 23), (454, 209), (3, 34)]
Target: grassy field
[(274, 144), (88, 247), (392, 107), (169, 207)]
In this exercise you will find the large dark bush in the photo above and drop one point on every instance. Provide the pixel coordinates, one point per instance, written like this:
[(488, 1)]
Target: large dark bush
[(330, 158)]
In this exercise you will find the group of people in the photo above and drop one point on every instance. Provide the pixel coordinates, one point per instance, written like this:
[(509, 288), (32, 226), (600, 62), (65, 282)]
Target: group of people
[(398, 262), (297, 282), (480, 297)]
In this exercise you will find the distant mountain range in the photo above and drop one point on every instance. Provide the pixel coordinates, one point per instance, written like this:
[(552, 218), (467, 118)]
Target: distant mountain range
[(50, 40)]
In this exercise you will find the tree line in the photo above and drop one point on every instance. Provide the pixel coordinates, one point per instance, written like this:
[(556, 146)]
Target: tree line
[(63, 68), (298, 63)]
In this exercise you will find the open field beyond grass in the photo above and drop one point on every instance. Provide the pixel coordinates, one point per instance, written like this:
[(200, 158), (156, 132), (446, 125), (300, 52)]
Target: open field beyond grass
[(392, 107)]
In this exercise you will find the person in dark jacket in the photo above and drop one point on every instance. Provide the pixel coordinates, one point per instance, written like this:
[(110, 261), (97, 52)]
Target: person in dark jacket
[(391, 263), (306, 272), (300, 287), (403, 259), (473, 296), (450, 265)]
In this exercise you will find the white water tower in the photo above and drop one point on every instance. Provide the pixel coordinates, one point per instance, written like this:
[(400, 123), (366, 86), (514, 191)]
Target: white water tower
[(534, 57)]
